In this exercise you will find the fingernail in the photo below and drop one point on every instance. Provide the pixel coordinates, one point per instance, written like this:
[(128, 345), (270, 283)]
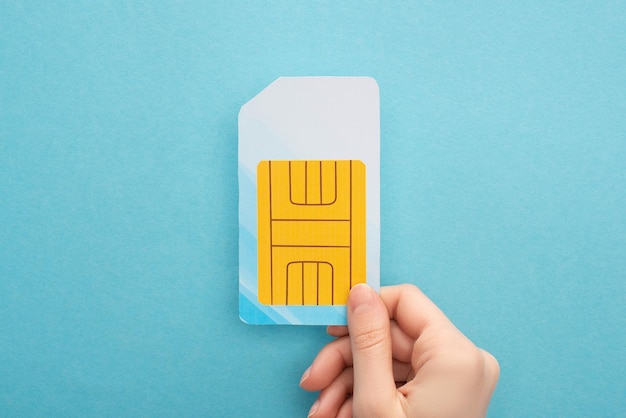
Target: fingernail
[(314, 408), (361, 299), (305, 375)]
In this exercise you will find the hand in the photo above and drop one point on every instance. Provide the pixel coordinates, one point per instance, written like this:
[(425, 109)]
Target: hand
[(399, 356)]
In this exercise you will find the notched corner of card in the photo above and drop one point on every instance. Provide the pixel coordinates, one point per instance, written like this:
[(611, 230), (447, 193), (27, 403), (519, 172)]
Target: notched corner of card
[(309, 198)]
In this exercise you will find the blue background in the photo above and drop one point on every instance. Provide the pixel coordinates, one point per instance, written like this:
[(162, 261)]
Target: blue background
[(503, 196)]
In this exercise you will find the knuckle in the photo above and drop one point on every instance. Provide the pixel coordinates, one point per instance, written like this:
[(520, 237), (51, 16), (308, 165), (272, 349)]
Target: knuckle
[(408, 287), (492, 367), (466, 360), (470, 360), (478, 366), (368, 338)]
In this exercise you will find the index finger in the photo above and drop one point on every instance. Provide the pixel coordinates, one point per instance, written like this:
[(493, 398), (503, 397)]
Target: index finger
[(411, 309)]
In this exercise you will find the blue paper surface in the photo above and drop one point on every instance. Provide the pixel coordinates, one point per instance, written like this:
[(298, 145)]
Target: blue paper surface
[(503, 188)]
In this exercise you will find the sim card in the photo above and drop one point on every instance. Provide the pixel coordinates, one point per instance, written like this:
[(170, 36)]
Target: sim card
[(309, 199)]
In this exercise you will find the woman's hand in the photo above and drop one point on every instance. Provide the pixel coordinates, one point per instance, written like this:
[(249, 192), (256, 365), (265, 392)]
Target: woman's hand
[(399, 356)]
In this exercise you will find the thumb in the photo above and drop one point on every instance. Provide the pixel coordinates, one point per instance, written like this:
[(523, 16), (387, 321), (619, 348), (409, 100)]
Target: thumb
[(368, 326)]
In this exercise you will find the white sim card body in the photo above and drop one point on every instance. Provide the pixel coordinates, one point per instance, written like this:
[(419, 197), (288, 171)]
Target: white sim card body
[(309, 199)]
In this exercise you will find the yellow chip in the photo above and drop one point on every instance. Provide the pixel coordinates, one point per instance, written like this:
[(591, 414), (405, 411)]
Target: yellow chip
[(311, 231)]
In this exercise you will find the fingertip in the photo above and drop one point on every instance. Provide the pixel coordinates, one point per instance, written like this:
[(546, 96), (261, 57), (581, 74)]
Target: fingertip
[(362, 299), (337, 330), (314, 408), (327, 365), (305, 376)]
